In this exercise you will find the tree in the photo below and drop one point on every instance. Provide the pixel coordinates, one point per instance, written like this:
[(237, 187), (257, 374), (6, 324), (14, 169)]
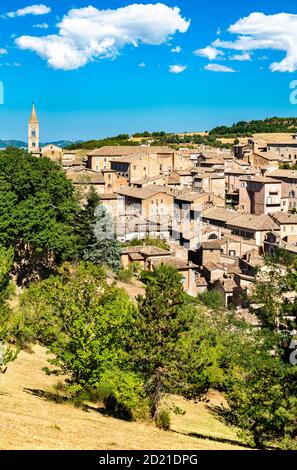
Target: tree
[(37, 209), (163, 349), (103, 248), (82, 320), (261, 395), (267, 296), (85, 221), (6, 354)]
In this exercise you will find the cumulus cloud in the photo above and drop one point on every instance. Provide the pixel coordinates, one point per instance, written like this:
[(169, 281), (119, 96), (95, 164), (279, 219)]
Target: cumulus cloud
[(41, 25), (218, 68), (258, 31), (176, 49), (210, 52), (142, 65), (177, 68), (241, 57), (87, 34), (3, 51), (30, 10)]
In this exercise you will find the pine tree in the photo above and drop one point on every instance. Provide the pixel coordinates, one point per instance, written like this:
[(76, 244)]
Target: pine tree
[(163, 316)]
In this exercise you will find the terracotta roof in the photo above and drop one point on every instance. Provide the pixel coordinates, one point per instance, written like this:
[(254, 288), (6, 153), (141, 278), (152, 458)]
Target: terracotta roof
[(239, 171), (210, 266), (219, 213), (254, 222), (212, 244), (136, 256), (107, 196), (201, 281), (227, 284), (148, 180), (284, 217), (122, 150), (174, 262), (84, 176), (146, 250), (142, 193), (259, 179), (270, 156), (290, 174), (189, 197)]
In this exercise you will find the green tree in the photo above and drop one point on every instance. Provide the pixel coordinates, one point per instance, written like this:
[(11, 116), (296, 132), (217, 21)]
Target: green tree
[(7, 354), (37, 209), (82, 320), (85, 221), (104, 248), (164, 351), (261, 395)]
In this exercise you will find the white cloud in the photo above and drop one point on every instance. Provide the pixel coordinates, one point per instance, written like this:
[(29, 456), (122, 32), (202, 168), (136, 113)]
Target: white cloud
[(177, 68), (142, 65), (3, 51), (176, 49), (9, 64), (218, 68), (210, 52), (30, 10), (41, 25), (263, 32), (241, 57), (87, 34)]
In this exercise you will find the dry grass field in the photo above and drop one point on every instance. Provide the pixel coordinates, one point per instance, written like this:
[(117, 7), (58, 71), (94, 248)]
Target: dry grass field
[(29, 420), (271, 137)]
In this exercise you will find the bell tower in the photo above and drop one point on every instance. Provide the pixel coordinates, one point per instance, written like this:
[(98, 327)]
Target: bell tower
[(33, 132)]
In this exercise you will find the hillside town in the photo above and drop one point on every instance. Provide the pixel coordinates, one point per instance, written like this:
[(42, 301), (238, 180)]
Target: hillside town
[(219, 211)]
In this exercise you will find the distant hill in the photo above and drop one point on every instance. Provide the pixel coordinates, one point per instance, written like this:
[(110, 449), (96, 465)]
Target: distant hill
[(12, 143), (247, 128), (63, 143)]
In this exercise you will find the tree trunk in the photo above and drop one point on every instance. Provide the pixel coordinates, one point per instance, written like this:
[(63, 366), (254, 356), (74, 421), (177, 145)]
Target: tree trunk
[(157, 392)]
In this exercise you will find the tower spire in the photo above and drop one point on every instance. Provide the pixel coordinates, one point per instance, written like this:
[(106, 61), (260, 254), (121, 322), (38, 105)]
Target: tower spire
[(33, 117), (33, 132)]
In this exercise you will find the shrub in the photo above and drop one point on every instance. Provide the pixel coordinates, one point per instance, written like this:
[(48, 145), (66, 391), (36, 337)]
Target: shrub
[(163, 420), (125, 275), (122, 394)]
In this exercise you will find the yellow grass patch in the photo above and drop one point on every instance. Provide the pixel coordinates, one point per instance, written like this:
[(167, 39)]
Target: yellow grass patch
[(30, 421)]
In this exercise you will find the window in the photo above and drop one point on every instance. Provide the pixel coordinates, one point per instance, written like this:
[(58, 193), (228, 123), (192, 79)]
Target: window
[(232, 253), (33, 133), (97, 168), (33, 144)]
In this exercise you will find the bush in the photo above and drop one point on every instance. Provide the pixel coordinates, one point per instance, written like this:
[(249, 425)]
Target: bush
[(122, 394), (163, 420), (211, 299), (125, 275)]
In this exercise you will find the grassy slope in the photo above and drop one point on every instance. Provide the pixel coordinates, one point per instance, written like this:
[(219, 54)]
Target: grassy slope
[(29, 421)]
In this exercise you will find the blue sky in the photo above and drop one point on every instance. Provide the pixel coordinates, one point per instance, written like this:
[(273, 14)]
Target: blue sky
[(94, 73)]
